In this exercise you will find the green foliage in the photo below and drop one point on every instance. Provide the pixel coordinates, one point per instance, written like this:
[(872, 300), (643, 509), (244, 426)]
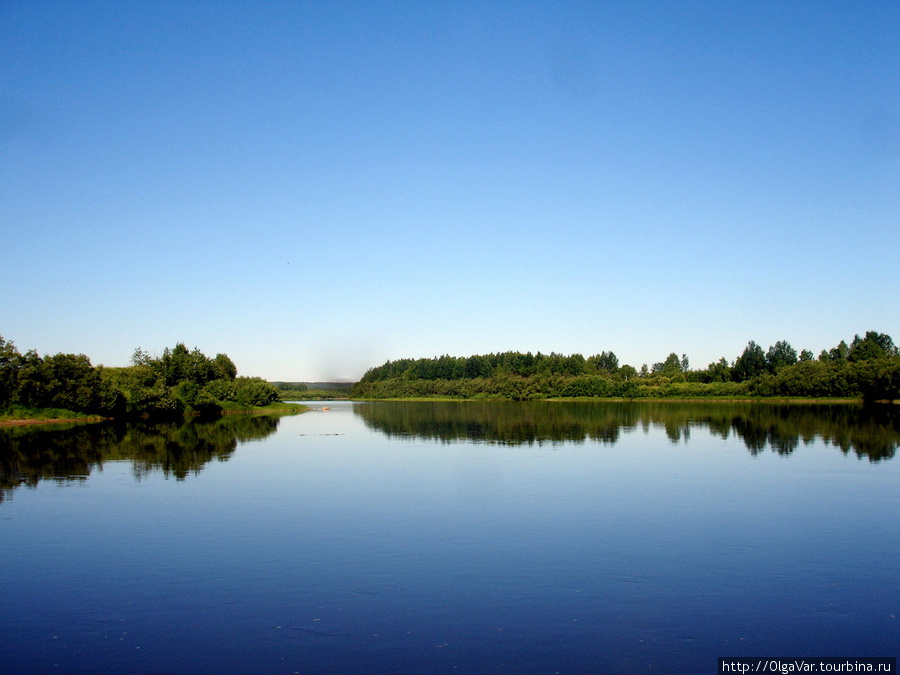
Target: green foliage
[(297, 394), (873, 379), (290, 386), (186, 381), (627, 372), (780, 354), (224, 368), (314, 394), (671, 367), (867, 369), (318, 391), (71, 382), (605, 362), (182, 381), (180, 365), (499, 365), (807, 379), (719, 371), (839, 353), (221, 390), (64, 381), (254, 391), (873, 346), (750, 364), (177, 382), (9, 372), (543, 386), (878, 379)]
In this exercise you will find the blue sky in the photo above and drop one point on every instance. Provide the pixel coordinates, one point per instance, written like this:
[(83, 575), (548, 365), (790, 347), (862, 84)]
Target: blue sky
[(314, 188)]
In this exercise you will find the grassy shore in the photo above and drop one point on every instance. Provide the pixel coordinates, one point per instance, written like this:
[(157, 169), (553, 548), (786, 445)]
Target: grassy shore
[(21, 416)]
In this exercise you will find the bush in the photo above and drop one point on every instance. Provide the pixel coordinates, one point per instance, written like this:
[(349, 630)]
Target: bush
[(254, 391), (221, 390)]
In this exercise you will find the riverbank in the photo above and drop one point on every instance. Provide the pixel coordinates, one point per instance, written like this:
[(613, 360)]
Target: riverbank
[(18, 416)]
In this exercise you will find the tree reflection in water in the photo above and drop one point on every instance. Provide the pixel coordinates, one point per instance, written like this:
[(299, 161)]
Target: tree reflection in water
[(29, 455), (64, 454), (869, 431)]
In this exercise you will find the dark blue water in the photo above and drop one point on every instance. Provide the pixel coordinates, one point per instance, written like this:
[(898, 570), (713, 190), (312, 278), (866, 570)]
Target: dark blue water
[(381, 542)]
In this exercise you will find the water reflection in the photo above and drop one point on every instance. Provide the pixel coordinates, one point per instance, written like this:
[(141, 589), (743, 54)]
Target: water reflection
[(31, 454), (871, 432)]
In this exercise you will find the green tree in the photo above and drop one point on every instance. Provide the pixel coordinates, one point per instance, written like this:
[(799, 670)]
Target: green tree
[(66, 381), (174, 364), (873, 346), (574, 365), (627, 372), (780, 354), (839, 353), (223, 391), (254, 391), (750, 363), (141, 357), (31, 381), (224, 368), (9, 371), (605, 361), (719, 371), (878, 379), (671, 366), (476, 366)]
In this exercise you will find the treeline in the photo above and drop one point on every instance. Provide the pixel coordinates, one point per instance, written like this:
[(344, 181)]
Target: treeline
[(175, 383), (868, 367), (313, 391)]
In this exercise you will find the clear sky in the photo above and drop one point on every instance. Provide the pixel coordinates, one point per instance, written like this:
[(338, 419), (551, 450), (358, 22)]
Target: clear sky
[(316, 187)]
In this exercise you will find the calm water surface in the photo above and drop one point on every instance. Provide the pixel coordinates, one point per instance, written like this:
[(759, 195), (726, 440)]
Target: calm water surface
[(453, 537)]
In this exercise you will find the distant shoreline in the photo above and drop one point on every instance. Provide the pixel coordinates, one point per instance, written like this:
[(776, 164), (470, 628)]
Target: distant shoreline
[(300, 407)]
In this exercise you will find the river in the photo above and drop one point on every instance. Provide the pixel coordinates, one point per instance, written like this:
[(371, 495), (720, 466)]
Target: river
[(401, 537)]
